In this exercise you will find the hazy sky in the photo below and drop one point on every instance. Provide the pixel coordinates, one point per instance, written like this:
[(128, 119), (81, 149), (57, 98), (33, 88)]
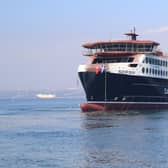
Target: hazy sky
[(40, 40)]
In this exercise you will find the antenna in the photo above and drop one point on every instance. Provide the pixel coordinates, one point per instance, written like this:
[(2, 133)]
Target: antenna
[(132, 34), (134, 29)]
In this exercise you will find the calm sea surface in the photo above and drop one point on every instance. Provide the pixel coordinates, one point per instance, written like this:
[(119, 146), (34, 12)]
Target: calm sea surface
[(37, 133)]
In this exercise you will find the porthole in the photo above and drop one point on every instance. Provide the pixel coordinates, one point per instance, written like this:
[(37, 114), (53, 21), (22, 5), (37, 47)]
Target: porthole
[(155, 71), (158, 72), (164, 63), (150, 70), (116, 98), (123, 99), (160, 62), (150, 61)]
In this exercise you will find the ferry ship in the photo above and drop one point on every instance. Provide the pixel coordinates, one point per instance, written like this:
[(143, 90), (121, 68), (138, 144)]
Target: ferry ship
[(124, 75)]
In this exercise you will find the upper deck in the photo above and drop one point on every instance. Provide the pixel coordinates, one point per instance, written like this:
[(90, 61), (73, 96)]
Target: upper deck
[(121, 47)]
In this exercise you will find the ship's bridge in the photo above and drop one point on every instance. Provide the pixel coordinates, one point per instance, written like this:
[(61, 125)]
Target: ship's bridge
[(120, 47)]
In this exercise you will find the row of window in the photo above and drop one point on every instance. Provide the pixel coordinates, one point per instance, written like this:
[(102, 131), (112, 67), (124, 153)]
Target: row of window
[(126, 47), (154, 61), (156, 72), (113, 59), (122, 47)]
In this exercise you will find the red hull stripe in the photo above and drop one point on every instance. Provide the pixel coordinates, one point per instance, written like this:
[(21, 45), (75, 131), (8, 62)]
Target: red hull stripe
[(89, 107)]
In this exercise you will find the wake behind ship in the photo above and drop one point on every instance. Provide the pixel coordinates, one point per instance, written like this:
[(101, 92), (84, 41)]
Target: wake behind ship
[(124, 75)]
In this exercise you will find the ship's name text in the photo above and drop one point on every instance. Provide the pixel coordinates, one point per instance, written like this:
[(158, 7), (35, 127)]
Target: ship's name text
[(166, 91)]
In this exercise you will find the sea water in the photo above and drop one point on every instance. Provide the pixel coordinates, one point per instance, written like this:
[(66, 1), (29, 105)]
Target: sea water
[(54, 133)]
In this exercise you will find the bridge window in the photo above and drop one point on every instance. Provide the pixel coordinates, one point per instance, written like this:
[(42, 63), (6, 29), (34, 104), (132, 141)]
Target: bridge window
[(112, 59), (133, 65), (130, 59)]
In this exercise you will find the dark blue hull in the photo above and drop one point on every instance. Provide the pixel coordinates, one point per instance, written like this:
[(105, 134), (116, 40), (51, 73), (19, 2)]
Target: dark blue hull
[(108, 87)]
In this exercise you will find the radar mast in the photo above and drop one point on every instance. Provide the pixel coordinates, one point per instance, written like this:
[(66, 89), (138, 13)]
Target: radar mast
[(132, 35)]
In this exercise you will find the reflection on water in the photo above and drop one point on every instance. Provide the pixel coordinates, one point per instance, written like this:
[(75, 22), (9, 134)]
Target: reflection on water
[(126, 139)]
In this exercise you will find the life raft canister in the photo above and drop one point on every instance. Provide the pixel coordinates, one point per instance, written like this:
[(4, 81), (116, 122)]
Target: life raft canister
[(97, 70)]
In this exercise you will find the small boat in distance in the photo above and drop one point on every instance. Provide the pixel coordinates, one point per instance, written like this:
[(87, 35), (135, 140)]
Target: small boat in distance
[(46, 96)]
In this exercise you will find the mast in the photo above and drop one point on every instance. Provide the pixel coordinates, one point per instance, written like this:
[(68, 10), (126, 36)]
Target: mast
[(132, 35)]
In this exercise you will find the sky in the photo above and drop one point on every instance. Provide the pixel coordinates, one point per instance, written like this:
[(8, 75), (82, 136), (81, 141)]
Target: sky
[(40, 40)]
